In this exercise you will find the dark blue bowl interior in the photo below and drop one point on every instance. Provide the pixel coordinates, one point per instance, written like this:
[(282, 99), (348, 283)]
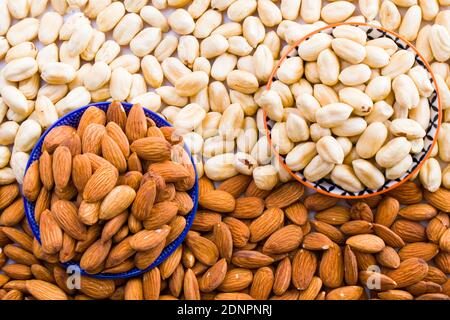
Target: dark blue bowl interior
[(72, 119)]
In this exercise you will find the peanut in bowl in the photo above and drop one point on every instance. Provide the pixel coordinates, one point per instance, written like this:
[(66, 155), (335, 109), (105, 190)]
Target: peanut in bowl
[(110, 191), (368, 110)]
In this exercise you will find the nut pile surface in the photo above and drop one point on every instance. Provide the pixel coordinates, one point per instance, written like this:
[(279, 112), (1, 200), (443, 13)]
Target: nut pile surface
[(126, 190), (203, 65), (344, 122)]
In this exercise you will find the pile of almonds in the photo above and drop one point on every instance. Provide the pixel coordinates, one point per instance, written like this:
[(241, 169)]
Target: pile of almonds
[(203, 65), (108, 194), (247, 243)]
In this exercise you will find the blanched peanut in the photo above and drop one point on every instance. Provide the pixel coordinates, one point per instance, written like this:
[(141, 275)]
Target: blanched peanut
[(333, 115), (344, 176), (368, 174), (317, 169), (400, 168), (393, 152)]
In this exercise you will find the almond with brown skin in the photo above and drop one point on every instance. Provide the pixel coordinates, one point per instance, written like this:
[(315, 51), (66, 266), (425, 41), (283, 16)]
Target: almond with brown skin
[(19, 237), (297, 213), (65, 214), (73, 144), (13, 295), (285, 195), (51, 233), (152, 149), (96, 161), (168, 266), (13, 214), (170, 171), (409, 272), (97, 288), (205, 185), (319, 202), (68, 249), (283, 240), (190, 285), (376, 281), (90, 116), (8, 194), (436, 275), (112, 226), (312, 291), (270, 221), (62, 167), (304, 266), (330, 231), (424, 287), (317, 241), (366, 243), (185, 203), (116, 113), (119, 137), (235, 185), (262, 284), (409, 231), (217, 200), (236, 279), (144, 200), (248, 208), (46, 170), (282, 277), (253, 191), (42, 290), (361, 211), (112, 153), (389, 237), (101, 183), (418, 212), (251, 259), (437, 227), (134, 290), (17, 271), (89, 212), (395, 295), (94, 257), (336, 215), (205, 220), (214, 276), (136, 125), (119, 253), (388, 257), (331, 267), (345, 293), (144, 259), (203, 249), (42, 273), (148, 239), (223, 240), (92, 138), (32, 182), (239, 231), (151, 284), (116, 202), (422, 250), (350, 266), (132, 179), (19, 255), (387, 211), (442, 261), (439, 199), (57, 136), (356, 227), (444, 242), (407, 193), (161, 213), (81, 171)]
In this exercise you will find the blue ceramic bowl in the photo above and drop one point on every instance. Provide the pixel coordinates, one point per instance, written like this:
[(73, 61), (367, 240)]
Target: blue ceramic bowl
[(72, 119)]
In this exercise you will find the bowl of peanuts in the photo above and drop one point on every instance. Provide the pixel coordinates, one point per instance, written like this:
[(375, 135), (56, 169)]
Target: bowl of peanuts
[(367, 114), (110, 190)]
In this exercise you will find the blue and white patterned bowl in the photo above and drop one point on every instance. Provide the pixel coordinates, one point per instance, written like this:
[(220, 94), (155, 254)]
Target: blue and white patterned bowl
[(72, 119), (326, 186)]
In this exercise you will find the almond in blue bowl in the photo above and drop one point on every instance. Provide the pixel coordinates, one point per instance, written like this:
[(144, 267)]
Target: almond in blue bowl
[(110, 190)]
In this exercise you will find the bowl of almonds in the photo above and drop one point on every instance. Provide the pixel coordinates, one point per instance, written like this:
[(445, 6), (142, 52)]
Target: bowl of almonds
[(367, 115), (110, 189)]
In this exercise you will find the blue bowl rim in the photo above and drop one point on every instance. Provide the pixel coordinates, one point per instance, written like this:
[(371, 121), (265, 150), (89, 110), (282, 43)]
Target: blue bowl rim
[(168, 250)]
